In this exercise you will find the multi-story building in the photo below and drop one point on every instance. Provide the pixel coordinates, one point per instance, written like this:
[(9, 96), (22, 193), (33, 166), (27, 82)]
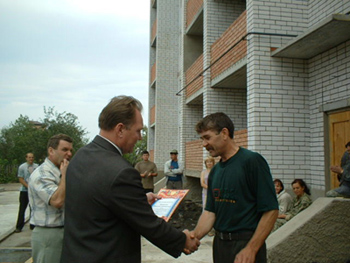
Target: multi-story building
[(279, 68)]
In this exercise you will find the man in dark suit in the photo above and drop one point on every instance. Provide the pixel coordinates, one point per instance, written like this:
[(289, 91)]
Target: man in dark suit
[(106, 206)]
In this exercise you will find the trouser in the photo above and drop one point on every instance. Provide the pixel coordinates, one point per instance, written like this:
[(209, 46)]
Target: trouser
[(23, 203), (225, 251), (47, 244), (174, 184)]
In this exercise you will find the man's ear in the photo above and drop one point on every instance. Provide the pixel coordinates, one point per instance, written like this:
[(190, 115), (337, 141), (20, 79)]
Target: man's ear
[(50, 151), (119, 129), (225, 133)]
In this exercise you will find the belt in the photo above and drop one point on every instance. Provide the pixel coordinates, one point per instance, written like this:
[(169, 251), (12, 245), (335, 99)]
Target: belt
[(234, 236)]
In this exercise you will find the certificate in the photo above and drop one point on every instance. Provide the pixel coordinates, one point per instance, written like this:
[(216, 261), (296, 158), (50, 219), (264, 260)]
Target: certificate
[(170, 200)]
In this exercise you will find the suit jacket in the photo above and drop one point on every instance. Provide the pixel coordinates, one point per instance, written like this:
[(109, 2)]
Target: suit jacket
[(106, 210)]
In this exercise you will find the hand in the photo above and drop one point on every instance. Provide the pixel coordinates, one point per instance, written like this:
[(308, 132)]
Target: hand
[(63, 167), (192, 243), (152, 197), (336, 169), (246, 255)]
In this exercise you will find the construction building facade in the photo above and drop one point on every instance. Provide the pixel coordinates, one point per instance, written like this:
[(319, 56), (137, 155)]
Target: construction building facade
[(280, 69)]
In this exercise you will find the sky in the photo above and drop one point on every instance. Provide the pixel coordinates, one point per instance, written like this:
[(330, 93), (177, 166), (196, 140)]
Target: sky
[(73, 55)]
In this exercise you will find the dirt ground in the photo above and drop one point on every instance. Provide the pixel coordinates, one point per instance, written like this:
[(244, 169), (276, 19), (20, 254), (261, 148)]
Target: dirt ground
[(187, 215)]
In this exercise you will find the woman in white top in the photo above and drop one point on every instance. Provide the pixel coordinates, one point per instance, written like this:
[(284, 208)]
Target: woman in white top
[(284, 199)]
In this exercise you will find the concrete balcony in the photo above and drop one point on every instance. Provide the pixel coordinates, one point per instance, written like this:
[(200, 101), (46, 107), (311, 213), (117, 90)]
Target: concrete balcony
[(194, 82), (323, 36), (228, 60), (194, 18)]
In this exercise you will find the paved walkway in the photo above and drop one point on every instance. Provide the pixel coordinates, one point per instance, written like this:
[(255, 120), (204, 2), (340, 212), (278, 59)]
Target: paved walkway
[(9, 195)]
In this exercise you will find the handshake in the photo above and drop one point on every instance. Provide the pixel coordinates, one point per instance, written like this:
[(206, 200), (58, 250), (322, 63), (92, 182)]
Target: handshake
[(192, 242)]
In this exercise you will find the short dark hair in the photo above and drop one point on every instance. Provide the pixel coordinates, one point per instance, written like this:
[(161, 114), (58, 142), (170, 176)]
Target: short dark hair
[(280, 183), (120, 109), (145, 152), (302, 184), (54, 141), (346, 145), (216, 122)]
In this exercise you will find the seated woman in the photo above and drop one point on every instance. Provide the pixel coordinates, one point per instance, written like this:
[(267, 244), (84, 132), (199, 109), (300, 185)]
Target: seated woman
[(300, 202), (284, 199)]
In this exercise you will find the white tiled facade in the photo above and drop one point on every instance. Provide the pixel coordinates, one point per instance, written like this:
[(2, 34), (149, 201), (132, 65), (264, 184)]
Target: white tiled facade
[(285, 103)]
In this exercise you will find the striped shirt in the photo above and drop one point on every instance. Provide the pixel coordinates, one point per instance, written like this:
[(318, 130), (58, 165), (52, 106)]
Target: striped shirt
[(43, 183)]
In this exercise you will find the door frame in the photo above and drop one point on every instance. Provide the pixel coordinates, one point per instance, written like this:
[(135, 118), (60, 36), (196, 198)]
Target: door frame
[(329, 145)]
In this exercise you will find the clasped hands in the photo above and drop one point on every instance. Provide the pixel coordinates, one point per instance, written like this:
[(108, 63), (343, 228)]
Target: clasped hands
[(192, 242)]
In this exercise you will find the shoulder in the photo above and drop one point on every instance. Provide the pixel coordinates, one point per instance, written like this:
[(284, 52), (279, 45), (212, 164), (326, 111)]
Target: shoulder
[(285, 195), (23, 166), (306, 198), (250, 158), (248, 154)]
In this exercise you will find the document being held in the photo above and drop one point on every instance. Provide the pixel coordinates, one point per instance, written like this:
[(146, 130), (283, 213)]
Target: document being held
[(170, 200)]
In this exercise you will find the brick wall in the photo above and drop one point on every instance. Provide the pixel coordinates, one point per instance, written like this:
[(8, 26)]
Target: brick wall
[(241, 138), (232, 35), (153, 72), (193, 6), (194, 155), (151, 155), (152, 115), (192, 73), (154, 30)]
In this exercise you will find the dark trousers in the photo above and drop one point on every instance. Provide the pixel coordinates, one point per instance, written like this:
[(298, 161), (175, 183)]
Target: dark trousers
[(23, 203), (225, 251)]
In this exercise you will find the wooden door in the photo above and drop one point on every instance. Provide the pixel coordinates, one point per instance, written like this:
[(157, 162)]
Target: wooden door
[(339, 128)]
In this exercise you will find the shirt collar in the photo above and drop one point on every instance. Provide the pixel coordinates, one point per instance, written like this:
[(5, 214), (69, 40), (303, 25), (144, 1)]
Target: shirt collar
[(119, 150)]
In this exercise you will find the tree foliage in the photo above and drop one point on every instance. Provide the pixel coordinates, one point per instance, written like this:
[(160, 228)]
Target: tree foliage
[(139, 147), (23, 136)]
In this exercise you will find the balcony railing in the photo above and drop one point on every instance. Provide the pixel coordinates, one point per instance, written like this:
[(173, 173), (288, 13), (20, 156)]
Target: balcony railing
[(153, 73), (152, 115), (193, 7), (194, 155), (191, 74), (233, 34), (154, 31)]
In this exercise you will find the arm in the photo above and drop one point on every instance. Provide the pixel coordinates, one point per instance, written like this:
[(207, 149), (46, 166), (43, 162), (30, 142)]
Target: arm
[(203, 184), (58, 197), (154, 172), (266, 223), (179, 170), (167, 170), (23, 182), (285, 203), (21, 177), (129, 202), (204, 225)]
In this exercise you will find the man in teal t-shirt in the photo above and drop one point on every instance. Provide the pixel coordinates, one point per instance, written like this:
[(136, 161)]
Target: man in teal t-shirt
[(241, 202)]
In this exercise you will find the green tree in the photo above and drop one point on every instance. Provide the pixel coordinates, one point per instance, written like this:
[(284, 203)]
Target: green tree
[(139, 147), (23, 136)]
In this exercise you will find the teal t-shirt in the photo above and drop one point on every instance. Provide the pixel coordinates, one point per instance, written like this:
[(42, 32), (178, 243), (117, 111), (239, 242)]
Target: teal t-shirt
[(240, 190), (24, 171)]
